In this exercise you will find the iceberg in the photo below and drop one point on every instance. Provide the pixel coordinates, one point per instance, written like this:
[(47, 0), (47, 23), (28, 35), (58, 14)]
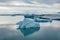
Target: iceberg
[(28, 23), (42, 20)]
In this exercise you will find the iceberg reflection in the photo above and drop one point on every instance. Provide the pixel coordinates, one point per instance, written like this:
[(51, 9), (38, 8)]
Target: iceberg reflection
[(28, 31)]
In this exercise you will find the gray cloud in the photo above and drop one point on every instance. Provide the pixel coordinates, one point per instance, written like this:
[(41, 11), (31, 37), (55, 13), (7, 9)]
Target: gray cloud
[(48, 1), (39, 1)]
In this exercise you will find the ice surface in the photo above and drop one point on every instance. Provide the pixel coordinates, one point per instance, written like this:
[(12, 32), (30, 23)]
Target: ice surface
[(28, 23)]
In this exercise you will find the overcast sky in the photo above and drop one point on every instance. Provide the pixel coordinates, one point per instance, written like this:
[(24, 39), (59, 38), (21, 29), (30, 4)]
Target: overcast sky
[(23, 6)]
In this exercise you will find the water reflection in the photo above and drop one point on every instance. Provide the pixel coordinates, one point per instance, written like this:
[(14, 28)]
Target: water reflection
[(8, 34), (28, 31)]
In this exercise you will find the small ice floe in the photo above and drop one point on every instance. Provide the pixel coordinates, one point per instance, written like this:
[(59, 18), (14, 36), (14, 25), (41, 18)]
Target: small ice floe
[(42, 20), (28, 23)]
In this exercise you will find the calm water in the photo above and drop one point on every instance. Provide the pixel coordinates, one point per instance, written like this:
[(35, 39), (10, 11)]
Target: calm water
[(47, 31)]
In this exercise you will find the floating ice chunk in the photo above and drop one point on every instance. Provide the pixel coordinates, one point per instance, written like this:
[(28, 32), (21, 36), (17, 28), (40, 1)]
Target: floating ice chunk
[(33, 24), (42, 20), (27, 23)]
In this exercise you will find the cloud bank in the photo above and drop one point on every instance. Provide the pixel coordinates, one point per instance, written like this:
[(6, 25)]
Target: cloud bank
[(23, 6)]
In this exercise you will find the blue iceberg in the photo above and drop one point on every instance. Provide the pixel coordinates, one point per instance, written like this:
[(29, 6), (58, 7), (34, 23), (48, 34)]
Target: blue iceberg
[(28, 23), (42, 20)]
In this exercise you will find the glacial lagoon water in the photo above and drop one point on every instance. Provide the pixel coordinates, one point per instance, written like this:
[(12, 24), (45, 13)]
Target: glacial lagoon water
[(47, 31)]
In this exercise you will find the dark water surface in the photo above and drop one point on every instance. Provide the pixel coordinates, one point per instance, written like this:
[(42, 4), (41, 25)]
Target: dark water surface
[(47, 31)]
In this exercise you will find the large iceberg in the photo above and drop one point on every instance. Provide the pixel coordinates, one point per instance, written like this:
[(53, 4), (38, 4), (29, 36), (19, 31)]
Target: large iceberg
[(28, 23)]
